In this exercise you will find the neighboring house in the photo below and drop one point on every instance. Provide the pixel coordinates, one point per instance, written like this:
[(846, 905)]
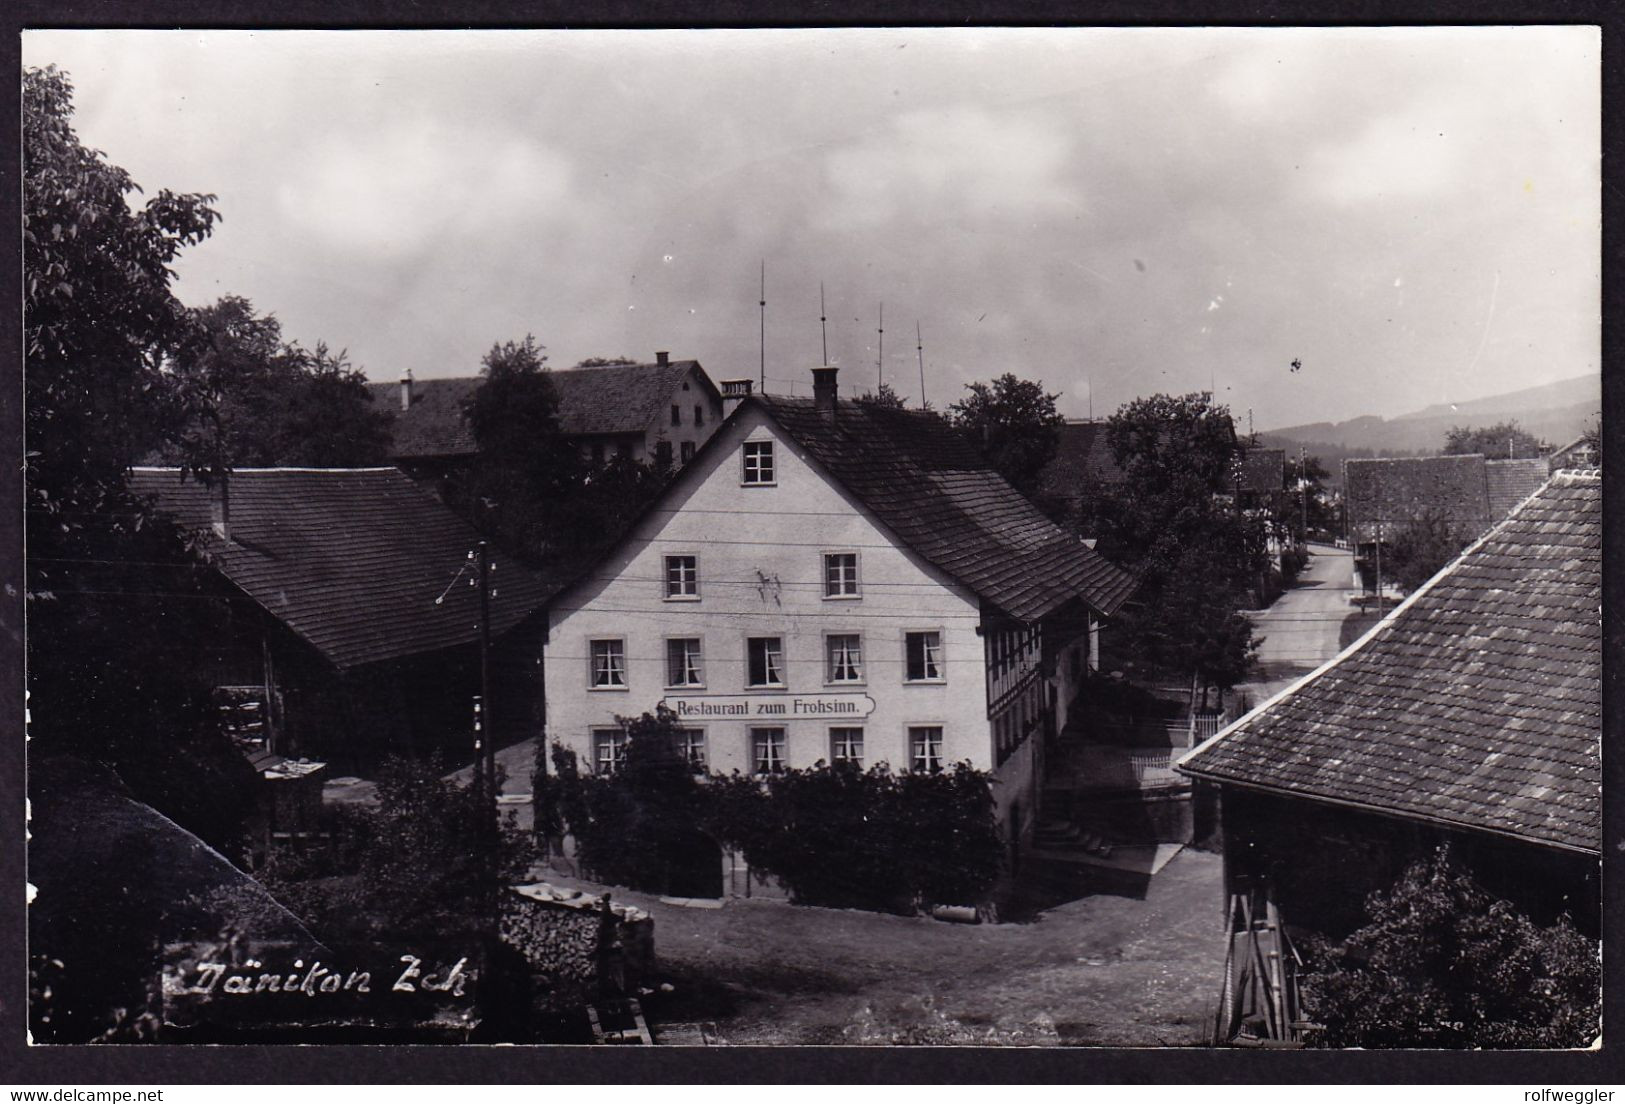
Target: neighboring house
[(829, 581), (660, 412), (1261, 478), (353, 629), (1469, 493), (1578, 453), (1472, 715), (1082, 465)]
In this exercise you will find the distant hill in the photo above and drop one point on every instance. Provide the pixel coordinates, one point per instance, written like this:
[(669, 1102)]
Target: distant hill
[(1556, 412)]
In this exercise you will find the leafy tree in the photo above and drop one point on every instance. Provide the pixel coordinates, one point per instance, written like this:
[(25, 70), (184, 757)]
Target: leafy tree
[(98, 318), (1593, 439), (1309, 478), (1421, 548), (1501, 441), (884, 397), (1444, 964), (1196, 555), (1017, 424), (605, 362)]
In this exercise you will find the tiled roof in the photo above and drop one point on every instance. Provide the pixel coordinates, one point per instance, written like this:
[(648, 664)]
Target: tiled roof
[(1399, 490), (927, 482), (351, 560), (617, 398), (1478, 703), (1263, 470), (1082, 457), (1509, 482)]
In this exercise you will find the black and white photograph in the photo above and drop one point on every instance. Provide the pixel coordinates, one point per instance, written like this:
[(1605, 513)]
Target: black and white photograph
[(610, 537)]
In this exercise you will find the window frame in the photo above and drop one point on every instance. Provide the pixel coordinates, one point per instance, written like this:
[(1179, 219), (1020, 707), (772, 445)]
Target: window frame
[(784, 664), (829, 666), (699, 415), (772, 463), (688, 732), (685, 452), (617, 735), (783, 749), (676, 414), (665, 581), (836, 758), (857, 574), (592, 665), (667, 658), (941, 676), (942, 738)]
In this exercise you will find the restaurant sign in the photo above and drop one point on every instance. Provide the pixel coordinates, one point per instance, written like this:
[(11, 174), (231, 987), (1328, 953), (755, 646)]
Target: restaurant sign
[(779, 707)]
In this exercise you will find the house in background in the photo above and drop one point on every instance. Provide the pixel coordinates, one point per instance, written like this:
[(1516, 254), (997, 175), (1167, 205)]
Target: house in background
[(1469, 493), (353, 629), (660, 413), (834, 581), (1578, 453), (1472, 715), (1082, 465)]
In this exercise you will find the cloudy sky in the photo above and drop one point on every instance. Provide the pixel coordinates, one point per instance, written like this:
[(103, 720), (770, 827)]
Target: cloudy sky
[(1412, 214)]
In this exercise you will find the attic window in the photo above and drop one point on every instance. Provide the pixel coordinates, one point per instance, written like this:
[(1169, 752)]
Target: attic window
[(758, 459)]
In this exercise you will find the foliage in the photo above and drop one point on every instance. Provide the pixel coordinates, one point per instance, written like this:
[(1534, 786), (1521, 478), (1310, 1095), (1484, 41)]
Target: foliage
[(1309, 478), (1444, 964), (605, 362), (1501, 441), (98, 317), (1017, 424), (1294, 558), (1421, 548), (256, 401), (1197, 556), (834, 835), (884, 397), (434, 855), (529, 489), (1593, 440)]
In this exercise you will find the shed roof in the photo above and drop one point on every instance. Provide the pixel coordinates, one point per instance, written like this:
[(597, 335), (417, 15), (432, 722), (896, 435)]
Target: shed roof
[(1477, 703), (1509, 482), (928, 483), (603, 401), (351, 559), (1263, 470), (1404, 489), (1082, 457)]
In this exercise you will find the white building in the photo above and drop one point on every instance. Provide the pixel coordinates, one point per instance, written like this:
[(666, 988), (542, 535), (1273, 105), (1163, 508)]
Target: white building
[(831, 580)]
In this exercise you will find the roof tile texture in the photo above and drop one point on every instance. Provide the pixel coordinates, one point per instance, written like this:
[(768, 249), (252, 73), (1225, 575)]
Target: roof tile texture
[(351, 560), (1478, 703)]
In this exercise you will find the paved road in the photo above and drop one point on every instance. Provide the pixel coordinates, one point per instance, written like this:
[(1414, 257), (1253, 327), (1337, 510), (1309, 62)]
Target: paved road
[(1301, 629)]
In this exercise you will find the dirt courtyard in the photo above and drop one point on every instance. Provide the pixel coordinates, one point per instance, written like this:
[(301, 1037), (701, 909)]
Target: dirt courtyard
[(1100, 971)]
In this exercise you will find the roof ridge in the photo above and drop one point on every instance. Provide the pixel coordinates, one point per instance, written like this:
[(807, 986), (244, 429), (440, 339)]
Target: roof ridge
[(1570, 477), (250, 471)]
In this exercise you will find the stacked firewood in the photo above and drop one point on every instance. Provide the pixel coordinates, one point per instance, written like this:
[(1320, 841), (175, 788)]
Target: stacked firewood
[(580, 949)]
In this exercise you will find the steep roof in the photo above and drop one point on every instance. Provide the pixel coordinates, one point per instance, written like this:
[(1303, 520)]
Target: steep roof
[(1263, 470), (617, 398), (1478, 703), (1404, 489), (351, 560), (1509, 482), (1082, 457), (930, 486)]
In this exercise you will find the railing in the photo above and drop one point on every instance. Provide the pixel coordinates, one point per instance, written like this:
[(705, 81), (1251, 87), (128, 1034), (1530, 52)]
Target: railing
[(1145, 761)]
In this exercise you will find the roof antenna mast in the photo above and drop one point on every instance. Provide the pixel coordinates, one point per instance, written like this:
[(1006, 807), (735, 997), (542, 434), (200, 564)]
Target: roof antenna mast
[(823, 329), (880, 354), (761, 303), (919, 351)]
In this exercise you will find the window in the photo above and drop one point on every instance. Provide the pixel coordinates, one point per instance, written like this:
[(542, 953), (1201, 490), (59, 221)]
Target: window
[(688, 451), (691, 741), (840, 574), (758, 462), (699, 414), (924, 656), (676, 414), (766, 667), (844, 657), (608, 749), (684, 664), (846, 746), (767, 749), (663, 454), (682, 576), (609, 665), (925, 747)]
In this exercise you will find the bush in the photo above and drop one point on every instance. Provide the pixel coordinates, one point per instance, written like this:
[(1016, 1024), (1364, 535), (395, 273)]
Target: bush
[(834, 835), (1293, 561), (1443, 964)]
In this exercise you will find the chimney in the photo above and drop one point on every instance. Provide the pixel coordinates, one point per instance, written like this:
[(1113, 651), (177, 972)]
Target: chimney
[(406, 389), (220, 506), (734, 392), (662, 358), (824, 390)]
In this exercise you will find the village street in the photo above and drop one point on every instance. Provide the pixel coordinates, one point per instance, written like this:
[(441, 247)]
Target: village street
[(1301, 630)]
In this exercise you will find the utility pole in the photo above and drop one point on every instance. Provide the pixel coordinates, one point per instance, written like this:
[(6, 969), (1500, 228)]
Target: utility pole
[(823, 327), (761, 304), (919, 349), (1303, 496), (483, 551), (880, 355)]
